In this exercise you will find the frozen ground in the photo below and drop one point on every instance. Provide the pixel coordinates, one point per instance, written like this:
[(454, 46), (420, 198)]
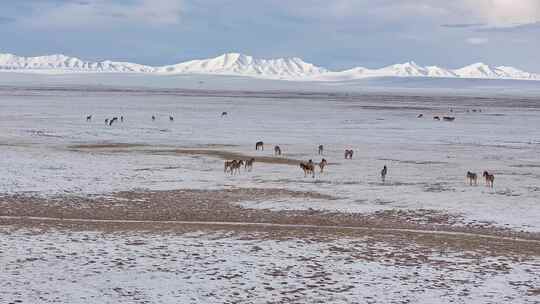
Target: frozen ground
[(201, 266), (427, 159), (54, 164)]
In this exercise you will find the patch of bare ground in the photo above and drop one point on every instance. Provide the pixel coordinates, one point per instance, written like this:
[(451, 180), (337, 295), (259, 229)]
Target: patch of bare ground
[(209, 150), (226, 155), (218, 209)]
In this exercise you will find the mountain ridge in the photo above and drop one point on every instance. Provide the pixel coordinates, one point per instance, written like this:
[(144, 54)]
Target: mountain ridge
[(237, 64)]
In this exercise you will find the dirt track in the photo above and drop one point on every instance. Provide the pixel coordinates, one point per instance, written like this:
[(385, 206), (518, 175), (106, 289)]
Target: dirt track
[(218, 209), (209, 150)]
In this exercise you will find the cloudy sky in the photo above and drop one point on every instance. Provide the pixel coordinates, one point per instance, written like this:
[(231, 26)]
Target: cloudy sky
[(332, 33)]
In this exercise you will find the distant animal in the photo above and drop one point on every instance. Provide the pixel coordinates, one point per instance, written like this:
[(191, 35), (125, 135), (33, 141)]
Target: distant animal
[(171, 118), (323, 165), (121, 118), (153, 117), (224, 114), (384, 171), (89, 118), (436, 118), (472, 178), (349, 154), (321, 149), (249, 164), (229, 165), (235, 168), (449, 118), (474, 110), (489, 178), (113, 120), (277, 150), (308, 168), (420, 116), (258, 145), (106, 121)]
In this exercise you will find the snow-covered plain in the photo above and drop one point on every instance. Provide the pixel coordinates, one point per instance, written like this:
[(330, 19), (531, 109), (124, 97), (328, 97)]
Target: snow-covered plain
[(223, 267), (427, 159)]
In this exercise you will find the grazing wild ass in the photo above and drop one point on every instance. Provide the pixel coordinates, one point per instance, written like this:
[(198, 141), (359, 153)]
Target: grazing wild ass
[(258, 145), (233, 166), (308, 168), (113, 120), (349, 154), (321, 149), (472, 178)]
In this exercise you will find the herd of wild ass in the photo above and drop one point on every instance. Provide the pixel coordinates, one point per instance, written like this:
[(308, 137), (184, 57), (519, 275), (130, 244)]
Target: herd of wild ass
[(110, 121), (234, 167)]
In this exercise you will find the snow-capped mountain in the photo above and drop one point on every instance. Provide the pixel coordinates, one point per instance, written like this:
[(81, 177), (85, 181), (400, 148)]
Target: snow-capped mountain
[(481, 70), (411, 69), (242, 65), (239, 64), (62, 63)]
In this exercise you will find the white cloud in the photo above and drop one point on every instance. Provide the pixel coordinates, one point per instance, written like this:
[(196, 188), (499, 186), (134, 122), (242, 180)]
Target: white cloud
[(103, 13), (504, 13), (497, 13), (477, 40), (96, 13)]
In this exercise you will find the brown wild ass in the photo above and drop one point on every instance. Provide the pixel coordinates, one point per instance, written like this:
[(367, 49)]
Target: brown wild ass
[(235, 169), (249, 164), (229, 164), (308, 168), (322, 165), (490, 178)]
